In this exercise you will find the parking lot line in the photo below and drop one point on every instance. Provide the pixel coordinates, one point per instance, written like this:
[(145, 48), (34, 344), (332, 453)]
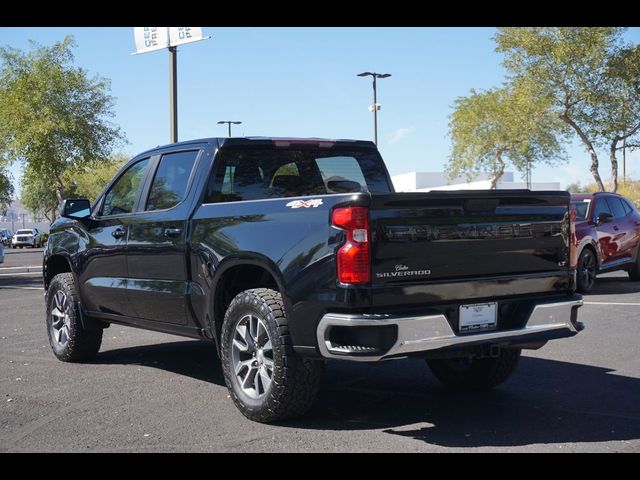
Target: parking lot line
[(16, 268), (613, 303), (14, 287), (22, 273)]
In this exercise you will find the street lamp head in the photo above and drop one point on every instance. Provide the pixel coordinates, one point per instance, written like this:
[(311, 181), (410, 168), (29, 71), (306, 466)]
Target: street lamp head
[(221, 122), (383, 75), (365, 74), (236, 123)]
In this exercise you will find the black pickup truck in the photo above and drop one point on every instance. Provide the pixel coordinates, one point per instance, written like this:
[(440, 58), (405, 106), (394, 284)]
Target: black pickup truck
[(290, 252)]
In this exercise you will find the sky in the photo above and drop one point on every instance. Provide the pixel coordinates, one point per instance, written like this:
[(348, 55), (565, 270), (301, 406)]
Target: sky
[(302, 82)]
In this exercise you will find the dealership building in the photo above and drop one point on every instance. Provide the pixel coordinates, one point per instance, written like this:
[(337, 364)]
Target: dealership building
[(426, 181)]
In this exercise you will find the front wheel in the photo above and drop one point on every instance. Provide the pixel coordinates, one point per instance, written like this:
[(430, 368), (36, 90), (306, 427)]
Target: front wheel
[(470, 373), (634, 272), (587, 270), (69, 340), (266, 379)]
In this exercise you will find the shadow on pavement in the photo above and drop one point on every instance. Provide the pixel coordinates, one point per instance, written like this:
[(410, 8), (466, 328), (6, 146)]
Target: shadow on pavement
[(194, 359), (546, 401), (614, 286)]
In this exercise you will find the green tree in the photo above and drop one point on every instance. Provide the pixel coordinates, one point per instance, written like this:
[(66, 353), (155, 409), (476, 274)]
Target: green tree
[(37, 194), (89, 180), (6, 191), (491, 128), (615, 116), (54, 118), (570, 65)]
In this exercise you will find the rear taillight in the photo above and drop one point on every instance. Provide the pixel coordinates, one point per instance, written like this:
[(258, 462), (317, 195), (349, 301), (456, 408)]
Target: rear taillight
[(354, 264)]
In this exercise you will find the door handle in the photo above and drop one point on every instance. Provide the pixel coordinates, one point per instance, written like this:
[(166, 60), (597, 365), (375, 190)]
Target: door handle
[(118, 233), (172, 232)]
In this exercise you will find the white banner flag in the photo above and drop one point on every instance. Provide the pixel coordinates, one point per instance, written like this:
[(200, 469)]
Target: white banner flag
[(149, 39), (181, 35)]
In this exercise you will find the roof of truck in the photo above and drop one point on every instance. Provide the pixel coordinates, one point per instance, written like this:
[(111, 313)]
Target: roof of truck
[(284, 141)]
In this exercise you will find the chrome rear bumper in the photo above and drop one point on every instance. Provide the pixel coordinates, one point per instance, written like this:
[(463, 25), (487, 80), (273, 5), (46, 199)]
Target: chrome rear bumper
[(433, 332)]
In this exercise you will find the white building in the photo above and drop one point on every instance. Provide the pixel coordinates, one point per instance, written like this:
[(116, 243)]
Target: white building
[(425, 181)]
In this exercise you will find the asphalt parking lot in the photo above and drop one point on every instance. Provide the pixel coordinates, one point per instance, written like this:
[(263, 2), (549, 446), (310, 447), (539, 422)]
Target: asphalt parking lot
[(148, 391)]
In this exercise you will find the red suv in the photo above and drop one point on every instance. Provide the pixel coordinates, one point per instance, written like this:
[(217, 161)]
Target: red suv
[(607, 236)]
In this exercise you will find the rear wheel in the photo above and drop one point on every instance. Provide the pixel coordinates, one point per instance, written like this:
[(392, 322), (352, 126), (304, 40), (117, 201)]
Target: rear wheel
[(587, 270), (470, 373), (267, 380), (69, 340)]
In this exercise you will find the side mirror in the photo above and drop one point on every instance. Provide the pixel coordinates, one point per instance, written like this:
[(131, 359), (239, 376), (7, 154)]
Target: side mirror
[(604, 217), (76, 208)]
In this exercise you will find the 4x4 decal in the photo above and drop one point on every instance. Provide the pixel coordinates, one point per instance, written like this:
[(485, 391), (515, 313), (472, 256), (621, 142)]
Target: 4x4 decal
[(316, 202)]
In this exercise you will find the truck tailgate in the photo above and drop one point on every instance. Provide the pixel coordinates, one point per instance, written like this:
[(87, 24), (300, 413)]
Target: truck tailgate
[(444, 236)]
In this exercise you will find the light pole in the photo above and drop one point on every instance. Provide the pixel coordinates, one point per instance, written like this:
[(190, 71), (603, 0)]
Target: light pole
[(229, 122), (375, 107)]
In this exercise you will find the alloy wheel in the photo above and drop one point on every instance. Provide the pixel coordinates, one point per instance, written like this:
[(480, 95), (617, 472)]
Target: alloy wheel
[(60, 321), (252, 356), (588, 271)]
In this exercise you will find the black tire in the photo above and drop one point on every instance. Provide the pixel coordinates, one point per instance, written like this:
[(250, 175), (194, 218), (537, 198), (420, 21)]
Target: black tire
[(634, 272), (295, 381), (475, 373), (587, 271), (80, 344)]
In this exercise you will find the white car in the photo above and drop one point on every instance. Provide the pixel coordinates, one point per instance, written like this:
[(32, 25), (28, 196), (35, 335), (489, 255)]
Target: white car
[(26, 237)]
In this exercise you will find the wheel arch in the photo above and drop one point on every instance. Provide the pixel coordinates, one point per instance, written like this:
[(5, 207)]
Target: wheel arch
[(591, 244), (238, 273), (54, 265)]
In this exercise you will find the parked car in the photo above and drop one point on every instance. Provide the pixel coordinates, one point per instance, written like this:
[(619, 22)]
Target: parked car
[(5, 237), (287, 253), (26, 237), (607, 236)]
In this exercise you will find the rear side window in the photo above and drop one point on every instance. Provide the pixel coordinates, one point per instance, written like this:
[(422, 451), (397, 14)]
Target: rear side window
[(616, 207), (170, 182), (255, 174), (582, 208), (627, 206), (341, 174), (121, 197)]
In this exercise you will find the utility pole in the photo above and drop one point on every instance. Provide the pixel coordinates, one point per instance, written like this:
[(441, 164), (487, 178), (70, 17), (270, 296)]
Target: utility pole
[(173, 93), (229, 122), (375, 107)]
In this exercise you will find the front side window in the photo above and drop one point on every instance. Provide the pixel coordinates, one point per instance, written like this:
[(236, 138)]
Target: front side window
[(121, 197), (170, 182), (616, 207), (255, 174), (601, 207)]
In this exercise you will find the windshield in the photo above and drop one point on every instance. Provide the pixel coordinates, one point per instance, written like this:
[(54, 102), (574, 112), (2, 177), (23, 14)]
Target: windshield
[(24, 232), (582, 208)]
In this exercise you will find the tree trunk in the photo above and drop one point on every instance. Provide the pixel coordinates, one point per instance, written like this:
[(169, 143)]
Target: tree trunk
[(59, 195), (592, 152), (497, 174), (614, 164)]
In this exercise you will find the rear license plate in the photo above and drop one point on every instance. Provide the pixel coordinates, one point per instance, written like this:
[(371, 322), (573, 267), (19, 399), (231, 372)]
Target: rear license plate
[(479, 316)]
